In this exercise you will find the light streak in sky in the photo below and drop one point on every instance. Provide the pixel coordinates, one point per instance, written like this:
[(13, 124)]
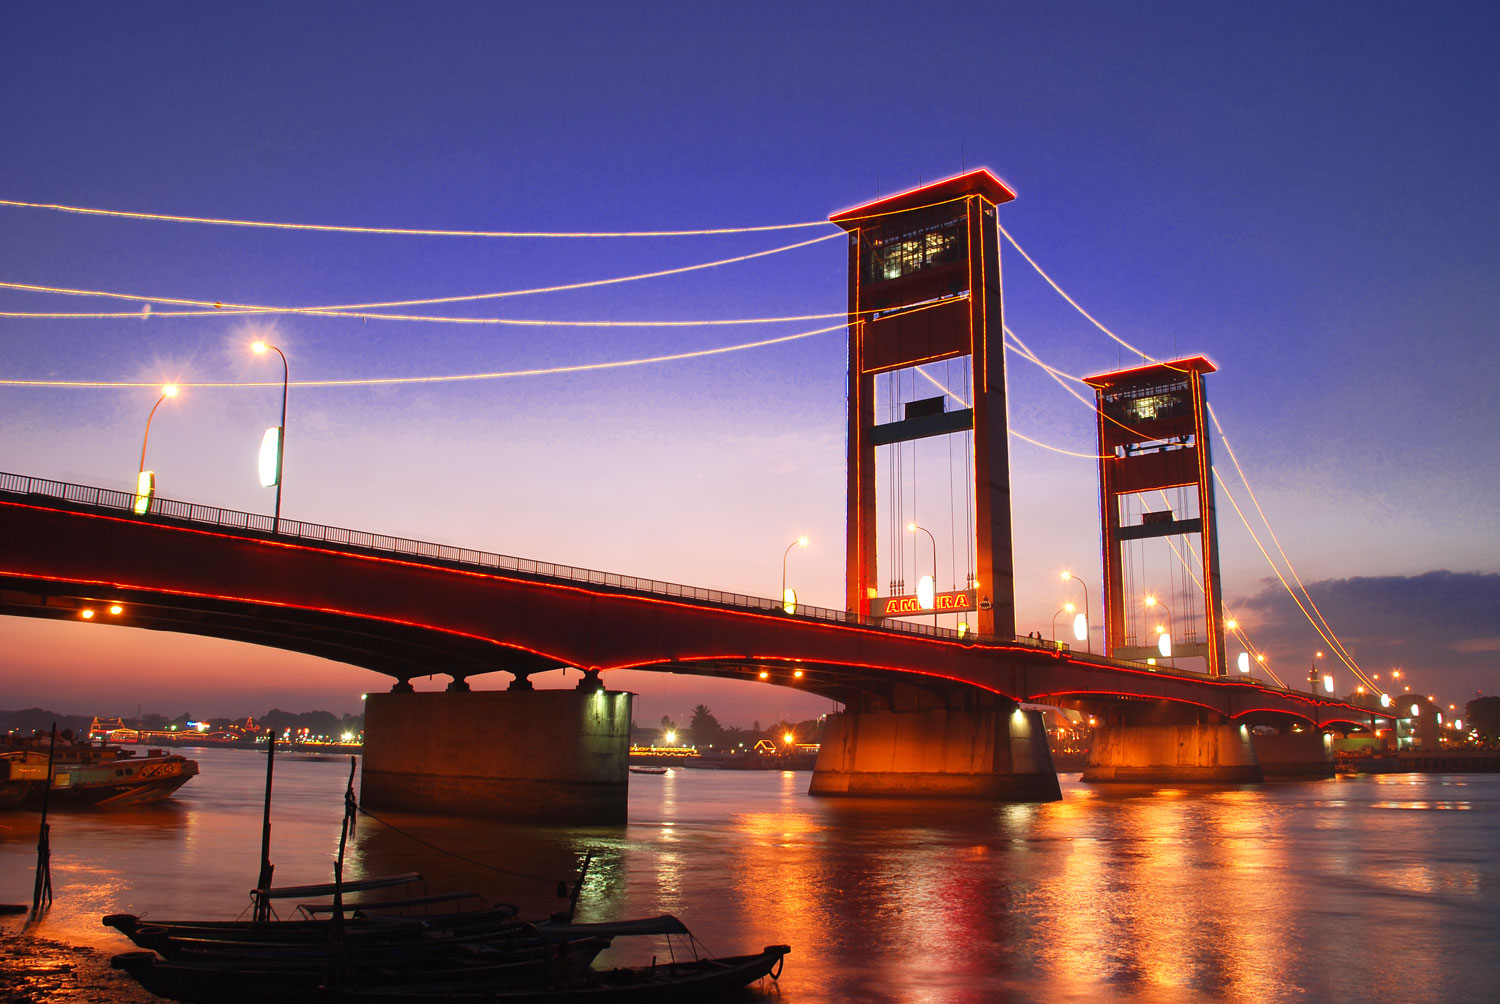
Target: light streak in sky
[(418, 232), (1332, 640), (448, 378), (334, 310), (401, 231), (433, 319)]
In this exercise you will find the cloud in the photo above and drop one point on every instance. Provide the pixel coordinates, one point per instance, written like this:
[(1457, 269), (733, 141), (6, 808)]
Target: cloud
[(1441, 628)]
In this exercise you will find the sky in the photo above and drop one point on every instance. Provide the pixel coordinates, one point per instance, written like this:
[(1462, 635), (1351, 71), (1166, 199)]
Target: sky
[(1301, 193)]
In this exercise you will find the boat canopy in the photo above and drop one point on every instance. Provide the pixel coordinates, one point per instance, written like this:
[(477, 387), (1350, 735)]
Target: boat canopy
[(359, 885)]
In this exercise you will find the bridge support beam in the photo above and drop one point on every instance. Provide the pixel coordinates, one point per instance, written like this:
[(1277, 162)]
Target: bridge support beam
[(988, 753), (555, 756), (1173, 754), (1308, 753)]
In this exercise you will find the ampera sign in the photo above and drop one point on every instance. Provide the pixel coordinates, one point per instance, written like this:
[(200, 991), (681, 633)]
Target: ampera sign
[(905, 606)]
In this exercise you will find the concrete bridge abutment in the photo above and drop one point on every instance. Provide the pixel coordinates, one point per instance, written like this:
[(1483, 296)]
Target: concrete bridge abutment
[(995, 753), (1200, 752), (554, 756), (1289, 754)]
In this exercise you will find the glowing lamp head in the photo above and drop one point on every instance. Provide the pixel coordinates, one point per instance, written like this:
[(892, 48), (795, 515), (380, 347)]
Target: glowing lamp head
[(1232, 624), (259, 348), (269, 459), (170, 390), (911, 527), (764, 675), (787, 738), (1066, 576), (1151, 601), (86, 614), (801, 541), (797, 674), (671, 737), (116, 609), (1069, 607)]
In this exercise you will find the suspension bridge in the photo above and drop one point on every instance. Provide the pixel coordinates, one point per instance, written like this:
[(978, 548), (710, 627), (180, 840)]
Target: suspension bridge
[(931, 682)]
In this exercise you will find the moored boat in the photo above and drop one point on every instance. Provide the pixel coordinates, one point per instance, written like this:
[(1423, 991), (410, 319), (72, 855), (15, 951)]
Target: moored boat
[(86, 774)]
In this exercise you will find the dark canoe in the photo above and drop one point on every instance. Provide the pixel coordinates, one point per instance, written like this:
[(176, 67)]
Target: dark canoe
[(245, 981), (695, 981)]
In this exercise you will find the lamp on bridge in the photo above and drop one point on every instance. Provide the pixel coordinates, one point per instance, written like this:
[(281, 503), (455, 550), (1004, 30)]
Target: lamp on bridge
[(927, 585), (1081, 622), (145, 481), (789, 596), (1067, 608), (1163, 638), (273, 444), (1313, 675)]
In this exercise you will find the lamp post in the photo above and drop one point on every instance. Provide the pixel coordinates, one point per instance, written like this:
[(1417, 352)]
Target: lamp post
[(789, 597), (1088, 639), (1067, 608), (145, 482), (913, 528), (260, 349), (1153, 602)]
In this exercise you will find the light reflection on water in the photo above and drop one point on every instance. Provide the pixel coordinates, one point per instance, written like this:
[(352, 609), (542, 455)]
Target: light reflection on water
[(1281, 892)]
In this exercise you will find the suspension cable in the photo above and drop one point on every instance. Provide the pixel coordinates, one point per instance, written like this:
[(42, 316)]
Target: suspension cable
[(449, 378)]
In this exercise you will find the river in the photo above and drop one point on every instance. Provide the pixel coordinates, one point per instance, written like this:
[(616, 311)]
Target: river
[(1364, 888)]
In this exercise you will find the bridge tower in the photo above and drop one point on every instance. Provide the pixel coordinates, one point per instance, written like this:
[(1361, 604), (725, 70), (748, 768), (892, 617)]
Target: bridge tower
[(1153, 436), (924, 286)]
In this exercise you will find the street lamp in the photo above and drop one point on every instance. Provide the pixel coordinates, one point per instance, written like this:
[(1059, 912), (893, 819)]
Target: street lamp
[(145, 481), (1067, 608), (1163, 638), (931, 601), (789, 596), (1313, 674), (1087, 637), (261, 348)]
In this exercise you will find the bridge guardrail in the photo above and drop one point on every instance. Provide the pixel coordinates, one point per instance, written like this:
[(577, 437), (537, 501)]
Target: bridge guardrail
[(192, 512)]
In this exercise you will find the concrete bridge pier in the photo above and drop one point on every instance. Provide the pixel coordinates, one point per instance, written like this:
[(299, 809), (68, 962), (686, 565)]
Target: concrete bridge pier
[(554, 756), (1208, 750), (993, 751), (1289, 754)]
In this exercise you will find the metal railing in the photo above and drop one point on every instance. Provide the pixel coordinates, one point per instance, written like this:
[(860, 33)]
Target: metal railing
[(172, 511)]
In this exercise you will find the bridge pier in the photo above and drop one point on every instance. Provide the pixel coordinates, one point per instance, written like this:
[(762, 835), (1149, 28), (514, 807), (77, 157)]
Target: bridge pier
[(1207, 752), (997, 753), (1308, 753), (555, 756)]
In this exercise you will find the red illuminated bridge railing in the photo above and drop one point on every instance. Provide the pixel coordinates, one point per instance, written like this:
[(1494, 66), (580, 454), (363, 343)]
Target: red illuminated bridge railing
[(170, 511)]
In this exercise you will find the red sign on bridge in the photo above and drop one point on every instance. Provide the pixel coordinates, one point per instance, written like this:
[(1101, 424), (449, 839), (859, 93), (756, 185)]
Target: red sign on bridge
[(956, 601)]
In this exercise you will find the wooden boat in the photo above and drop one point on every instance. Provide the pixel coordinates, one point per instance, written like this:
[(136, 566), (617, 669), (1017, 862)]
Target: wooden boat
[(558, 971), (648, 770), (386, 920)]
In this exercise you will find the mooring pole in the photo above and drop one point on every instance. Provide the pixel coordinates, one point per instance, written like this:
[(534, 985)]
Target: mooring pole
[(41, 892), (263, 884), (338, 948)]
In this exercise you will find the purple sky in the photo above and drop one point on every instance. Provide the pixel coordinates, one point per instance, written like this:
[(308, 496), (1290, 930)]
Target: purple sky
[(1302, 194)]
